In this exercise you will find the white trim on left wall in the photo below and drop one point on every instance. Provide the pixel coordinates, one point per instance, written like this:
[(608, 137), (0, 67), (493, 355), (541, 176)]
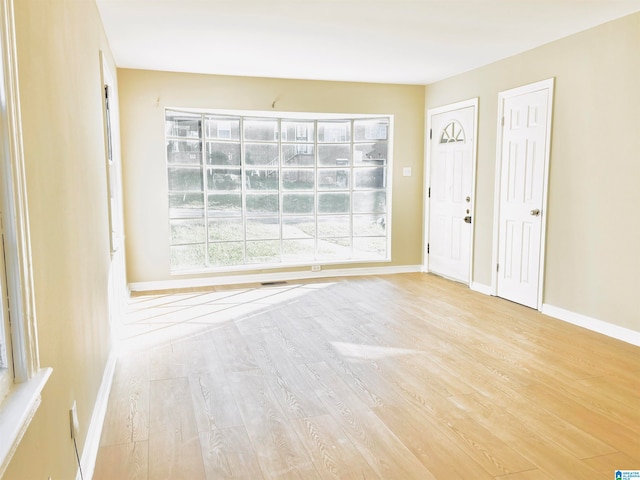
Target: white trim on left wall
[(92, 442), (117, 293), (18, 407)]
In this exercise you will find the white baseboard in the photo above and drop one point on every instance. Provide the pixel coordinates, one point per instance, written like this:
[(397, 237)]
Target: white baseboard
[(268, 277), (605, 328), (480, 288), (92, 442)]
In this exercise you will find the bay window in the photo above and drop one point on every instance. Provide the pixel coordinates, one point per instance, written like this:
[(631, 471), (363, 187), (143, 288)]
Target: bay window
[(266, 191)]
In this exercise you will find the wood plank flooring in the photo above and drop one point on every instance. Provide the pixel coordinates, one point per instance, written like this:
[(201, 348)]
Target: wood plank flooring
[(391, 377)]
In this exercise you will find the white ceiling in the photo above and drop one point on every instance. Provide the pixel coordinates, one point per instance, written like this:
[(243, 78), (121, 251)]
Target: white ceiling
[(388, 41)]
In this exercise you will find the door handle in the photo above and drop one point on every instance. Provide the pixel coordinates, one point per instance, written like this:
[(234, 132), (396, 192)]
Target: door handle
[(535, 212), (467, 219)]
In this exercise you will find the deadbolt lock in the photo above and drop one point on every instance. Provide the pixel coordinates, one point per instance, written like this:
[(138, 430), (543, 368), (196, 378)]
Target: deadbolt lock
[(468, 199), (535, 212), (467, 219)]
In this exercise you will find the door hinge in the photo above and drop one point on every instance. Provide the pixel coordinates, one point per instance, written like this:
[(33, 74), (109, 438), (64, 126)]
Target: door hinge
[(502, 121), (497, 267), (430, 133), (429, 193), (427, 248)]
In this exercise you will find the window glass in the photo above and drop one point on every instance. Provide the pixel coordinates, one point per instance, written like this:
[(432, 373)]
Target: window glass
[(334, 131), (187, 231), (452, 133), (370, 177), (370, 153), (369, 225), (263, 251), (370, 201), (298, 155), (187, 256), (185, 179), (262, 204), (224, 179), (261, 154), (333, 202), (369, 247), (222, 128), (225, 204), (298, 203), (262, 228), (226, 229), (184, 125), (334, 155), (223, 254), (261, 179), (298, 227), (334, 249), (370, 129), (333, 178), (298, 179), (261, 129), (298, 131), (184, 151), (298, 250), (223, 153), (334, 226), (186, 204)]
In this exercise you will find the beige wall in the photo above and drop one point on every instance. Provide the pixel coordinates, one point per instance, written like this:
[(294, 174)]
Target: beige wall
[(145, 94), (592, 254), (58, 46), (592, 258)]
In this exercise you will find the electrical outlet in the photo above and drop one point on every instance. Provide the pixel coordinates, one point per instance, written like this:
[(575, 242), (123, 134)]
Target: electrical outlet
[(316, 268), (73, 420)]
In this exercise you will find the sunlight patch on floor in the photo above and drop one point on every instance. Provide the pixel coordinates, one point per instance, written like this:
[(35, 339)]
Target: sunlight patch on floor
[(157, 319)]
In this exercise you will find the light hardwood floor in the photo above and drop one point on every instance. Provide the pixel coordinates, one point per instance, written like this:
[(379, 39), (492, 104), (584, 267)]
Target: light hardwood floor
[(392, 377)]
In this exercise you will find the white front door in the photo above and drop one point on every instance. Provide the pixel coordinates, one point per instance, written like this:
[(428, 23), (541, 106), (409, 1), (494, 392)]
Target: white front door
[(524, 153), (451, 171)]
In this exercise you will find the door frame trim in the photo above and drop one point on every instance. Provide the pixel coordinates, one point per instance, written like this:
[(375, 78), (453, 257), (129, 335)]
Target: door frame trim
[(547, 84), (472, 102)]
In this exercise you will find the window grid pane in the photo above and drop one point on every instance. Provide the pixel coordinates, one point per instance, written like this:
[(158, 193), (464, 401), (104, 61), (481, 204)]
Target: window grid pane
[(269, 191)]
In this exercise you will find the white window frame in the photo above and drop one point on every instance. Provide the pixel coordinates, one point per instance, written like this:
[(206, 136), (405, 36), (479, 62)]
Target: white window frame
[(19, 404), (315, 117), (6, 353)]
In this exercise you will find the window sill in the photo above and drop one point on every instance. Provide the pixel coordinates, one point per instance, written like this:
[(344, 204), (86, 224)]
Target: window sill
[(17, 411), (262, 267)]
